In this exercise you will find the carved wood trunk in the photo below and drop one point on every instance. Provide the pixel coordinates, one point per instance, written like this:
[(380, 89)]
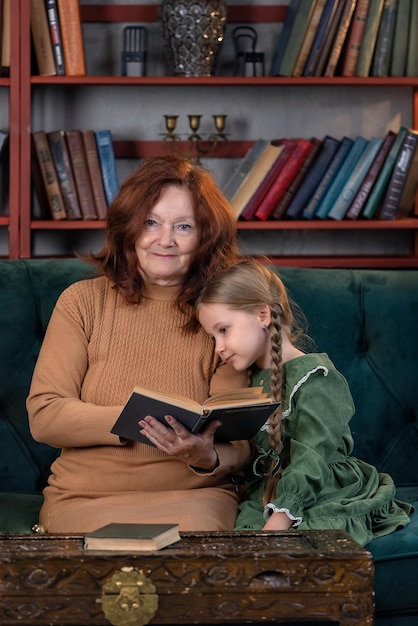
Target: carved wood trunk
[(206, 578)]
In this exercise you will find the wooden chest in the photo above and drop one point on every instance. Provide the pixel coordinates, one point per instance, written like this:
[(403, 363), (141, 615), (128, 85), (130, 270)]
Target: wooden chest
[(206, 578)]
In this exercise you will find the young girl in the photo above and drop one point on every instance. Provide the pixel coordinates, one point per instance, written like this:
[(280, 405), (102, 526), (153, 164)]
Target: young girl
[(303, 474)]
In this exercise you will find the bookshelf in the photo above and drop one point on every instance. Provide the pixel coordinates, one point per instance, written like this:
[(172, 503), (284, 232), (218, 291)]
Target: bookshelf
[(27, 93)]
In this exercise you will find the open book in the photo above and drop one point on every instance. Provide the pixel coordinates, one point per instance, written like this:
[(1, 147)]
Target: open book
[(241, 411)]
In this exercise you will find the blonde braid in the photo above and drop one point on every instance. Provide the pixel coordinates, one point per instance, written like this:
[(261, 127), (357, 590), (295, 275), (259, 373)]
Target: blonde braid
[(276, 418)]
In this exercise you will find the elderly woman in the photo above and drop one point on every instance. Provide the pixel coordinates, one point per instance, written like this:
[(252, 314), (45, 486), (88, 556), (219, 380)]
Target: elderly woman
[(168, 231)]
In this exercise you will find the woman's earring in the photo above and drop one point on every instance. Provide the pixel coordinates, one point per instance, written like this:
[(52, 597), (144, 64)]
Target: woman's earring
[(265, 328)]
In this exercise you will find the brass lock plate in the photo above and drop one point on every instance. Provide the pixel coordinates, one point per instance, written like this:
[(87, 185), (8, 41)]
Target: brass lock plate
[(129, 598)]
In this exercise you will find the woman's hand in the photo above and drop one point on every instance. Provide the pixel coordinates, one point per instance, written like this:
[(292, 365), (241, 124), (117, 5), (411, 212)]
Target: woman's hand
[(177, 440), (278, 521)]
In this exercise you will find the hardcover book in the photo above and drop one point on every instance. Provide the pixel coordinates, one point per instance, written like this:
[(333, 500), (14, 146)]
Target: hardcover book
[(263, 189), (284, 178), (244, 167), (384, 43), (280, 209), (283, 37), (369, 38), (406, 205), (400, 40), (297, 33), (353, 182), (132, 537), (55, 33), (366, 186), (399, 176), (340, 37), (343, 173), (64, 170), (355, 37), (41, 38), (45, 177), (412, 50), (320, 37), (382, 181), (338, 159), (312, 179), (81, 175), (95, 172), (329, 40), (256, 176), (107, 163), (72, 37), (241, 411), (309, 38)]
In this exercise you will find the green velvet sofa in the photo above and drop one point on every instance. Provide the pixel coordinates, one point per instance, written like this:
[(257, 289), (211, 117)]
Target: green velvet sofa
[(365, 319)]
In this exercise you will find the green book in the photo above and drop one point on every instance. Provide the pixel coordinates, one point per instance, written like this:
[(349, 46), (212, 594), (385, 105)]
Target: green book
[(369, 38), (296, 36), (383, 50), (132, 537), (384, 176), (400, 40), (353, 182), (343, 173), (412, 50)]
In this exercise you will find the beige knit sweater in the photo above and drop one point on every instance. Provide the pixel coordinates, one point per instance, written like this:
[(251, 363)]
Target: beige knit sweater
[(97, 347)]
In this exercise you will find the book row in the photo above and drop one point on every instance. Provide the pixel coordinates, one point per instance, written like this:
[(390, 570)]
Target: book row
[(74, 173), (327, 178), (348, 38), (57, 37)]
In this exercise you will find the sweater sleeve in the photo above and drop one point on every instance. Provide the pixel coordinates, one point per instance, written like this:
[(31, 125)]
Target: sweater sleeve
[(57, 415), (319, 413)]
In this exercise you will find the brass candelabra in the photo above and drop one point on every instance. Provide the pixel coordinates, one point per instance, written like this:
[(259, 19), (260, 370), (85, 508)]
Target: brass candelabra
[(198, 145)]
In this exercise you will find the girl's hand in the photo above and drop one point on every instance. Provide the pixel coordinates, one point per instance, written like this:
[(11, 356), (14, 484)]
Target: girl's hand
[(177, 441)]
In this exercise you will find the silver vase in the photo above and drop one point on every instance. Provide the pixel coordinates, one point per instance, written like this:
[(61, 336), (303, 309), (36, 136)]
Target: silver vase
[(193, 31)]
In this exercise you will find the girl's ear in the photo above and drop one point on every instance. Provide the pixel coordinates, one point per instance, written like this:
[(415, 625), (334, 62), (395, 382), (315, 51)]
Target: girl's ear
[(264, 315)]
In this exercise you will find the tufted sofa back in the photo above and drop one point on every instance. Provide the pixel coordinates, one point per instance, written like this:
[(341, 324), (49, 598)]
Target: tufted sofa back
[(365, 319)]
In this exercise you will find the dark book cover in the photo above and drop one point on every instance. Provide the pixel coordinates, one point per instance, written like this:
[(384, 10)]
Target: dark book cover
[(238, 422), (313, 177), (371, 177), (81, 174), (56, 38), (107, 163), (131, 537), (399, 176), (64, 170)]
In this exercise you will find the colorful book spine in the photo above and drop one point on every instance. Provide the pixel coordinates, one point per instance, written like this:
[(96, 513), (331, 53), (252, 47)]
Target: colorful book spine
[(56, 39), (379, 188), (297, 33), (369, 38), (320, 37), (329, 40), (352, 185), (95, 172), (107, 164), (399, 176), (339, 157), (81, 175), (363, 193), (244, 167), (384, 43), (48, 174), (263, 175), (72, 37), (312, 179), (290, 192), (284, 178), (412, 50), (309, 38), (41, 38), (340, 37), (283, 37), (400, 40), (343, 173), (64, 170), (355, 37)]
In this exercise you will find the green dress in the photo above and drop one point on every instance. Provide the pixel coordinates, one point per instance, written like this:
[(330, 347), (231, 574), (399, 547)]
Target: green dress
[(322, 485)]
